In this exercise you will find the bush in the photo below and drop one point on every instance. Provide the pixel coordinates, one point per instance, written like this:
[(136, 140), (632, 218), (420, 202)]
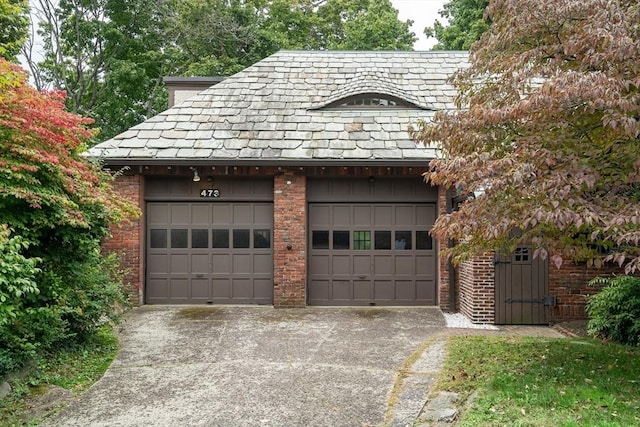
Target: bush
[(614, 312)]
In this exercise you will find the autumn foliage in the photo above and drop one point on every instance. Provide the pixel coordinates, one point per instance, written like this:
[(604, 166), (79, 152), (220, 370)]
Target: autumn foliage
[(56, 287), (546, 134)]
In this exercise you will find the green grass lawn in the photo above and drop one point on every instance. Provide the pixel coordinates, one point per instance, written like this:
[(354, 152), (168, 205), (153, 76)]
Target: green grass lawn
[(74, 369), (520, 381)]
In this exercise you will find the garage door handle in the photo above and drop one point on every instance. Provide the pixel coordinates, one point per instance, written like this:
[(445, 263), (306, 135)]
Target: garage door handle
[(199, 275), (362, 276)]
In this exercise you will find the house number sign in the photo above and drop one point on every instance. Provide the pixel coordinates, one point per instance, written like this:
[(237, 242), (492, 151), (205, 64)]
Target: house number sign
[(210, 192)]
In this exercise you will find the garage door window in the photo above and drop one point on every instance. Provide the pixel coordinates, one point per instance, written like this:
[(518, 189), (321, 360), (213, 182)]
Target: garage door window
[(382, 240), (262, 239), (179, 238), (403, 240), (424, 241), (320, 240), (341, 240), (220, 238), (199, 238), (362, 240), (158, 238), (241, 239)]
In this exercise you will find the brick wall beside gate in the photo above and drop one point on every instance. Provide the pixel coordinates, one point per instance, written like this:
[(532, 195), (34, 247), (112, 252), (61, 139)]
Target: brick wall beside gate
[(477, 288)]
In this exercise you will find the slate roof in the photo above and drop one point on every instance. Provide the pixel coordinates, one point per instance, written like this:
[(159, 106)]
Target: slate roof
[(272, 112)]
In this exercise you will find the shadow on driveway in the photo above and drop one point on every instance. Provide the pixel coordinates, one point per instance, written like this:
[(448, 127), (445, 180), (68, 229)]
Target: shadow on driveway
[(260, 366)]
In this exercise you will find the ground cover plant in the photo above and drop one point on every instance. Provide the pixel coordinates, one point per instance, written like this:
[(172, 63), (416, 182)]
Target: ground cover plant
[(74, 368), (523, 381)]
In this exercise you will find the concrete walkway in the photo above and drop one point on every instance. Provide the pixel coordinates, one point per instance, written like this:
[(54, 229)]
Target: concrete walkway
[(259, 366)]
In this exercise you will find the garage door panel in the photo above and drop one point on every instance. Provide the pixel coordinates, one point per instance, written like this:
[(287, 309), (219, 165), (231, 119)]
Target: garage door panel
[(425, 216), (179, 213), (200, 214), (341, 290), (383, 265), (404, 216), (242, 262), (405, 290), (405, 265), (242, 289), (158, 214), (179, 263), (262, 264), (220, 289), (319, 264), (320, 216), (383, 215), (341, 264), (262, 289), (221, 213), (341, 216), (200, 289), (242, 214), (221, 264), (361, 264), (425, 290), (424, 264), (319, 290), (157, 263), (362, 290), (209, 252), (362, 216), (179, 289), (157, 288), (200, 263), (384, 290), (263, 215)]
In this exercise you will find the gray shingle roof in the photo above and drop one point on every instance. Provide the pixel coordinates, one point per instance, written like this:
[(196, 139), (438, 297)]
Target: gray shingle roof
[(272, 111)]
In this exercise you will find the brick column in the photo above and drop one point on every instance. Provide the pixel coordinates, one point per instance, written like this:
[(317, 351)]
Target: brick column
[(290, 241), (477, 288), (444, 290), (126, 238)]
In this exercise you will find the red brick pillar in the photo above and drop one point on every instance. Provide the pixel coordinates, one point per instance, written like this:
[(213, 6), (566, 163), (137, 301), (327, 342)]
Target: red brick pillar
[(290, 241), (477, 288), (444, 288), (126, 238)]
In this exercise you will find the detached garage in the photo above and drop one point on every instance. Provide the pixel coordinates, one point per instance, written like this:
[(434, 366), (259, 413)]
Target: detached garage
[(294, 182)]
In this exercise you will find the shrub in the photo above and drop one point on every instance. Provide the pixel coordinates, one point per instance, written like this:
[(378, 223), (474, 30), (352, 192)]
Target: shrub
[(614, 312)]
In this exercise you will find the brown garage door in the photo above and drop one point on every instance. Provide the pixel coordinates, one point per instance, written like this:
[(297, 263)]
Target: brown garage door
[(204, 252), (370, 254)]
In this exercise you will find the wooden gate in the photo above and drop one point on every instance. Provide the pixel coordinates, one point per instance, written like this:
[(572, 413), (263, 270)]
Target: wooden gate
[(521, 285)]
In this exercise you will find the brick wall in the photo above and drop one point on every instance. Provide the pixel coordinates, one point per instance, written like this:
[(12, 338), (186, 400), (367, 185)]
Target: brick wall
[(569, 284), (290, 241), (477, 289), (126, 238), (444, 291)]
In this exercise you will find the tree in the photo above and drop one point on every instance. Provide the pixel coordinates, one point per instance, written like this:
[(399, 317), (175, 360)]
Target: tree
[(14, 23), (55, 207), (466, 23), (363, 25), (107, 56), (546, 134)]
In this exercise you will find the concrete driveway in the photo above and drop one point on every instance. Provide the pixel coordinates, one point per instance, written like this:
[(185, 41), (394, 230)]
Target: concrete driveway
[(260, 366)]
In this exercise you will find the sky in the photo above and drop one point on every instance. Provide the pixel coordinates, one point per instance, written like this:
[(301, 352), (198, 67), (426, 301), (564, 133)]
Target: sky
[(423, 13)]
